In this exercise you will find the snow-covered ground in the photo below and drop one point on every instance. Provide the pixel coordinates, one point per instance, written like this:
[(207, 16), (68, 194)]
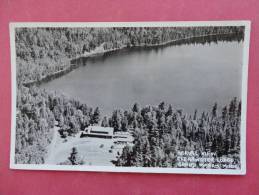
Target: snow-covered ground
[(94, 151)]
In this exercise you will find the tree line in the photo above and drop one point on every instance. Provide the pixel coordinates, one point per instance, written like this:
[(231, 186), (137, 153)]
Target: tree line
[(160, 131)]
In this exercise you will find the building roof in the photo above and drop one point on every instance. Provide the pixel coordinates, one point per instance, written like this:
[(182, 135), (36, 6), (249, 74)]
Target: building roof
[(101, 129)]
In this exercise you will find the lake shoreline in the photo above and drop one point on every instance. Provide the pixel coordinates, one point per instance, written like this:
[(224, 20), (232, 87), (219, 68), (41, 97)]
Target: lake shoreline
[(73, 62)]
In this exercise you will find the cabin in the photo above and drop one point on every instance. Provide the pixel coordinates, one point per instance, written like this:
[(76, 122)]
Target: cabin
[(98, 131)]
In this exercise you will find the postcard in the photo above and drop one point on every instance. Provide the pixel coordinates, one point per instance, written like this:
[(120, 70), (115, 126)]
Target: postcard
[(147, 97)]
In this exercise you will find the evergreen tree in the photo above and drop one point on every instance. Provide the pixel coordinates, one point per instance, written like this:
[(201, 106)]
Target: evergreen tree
[(169, 111), (116, 120), (239, 109), (74, 158), (136, 108), (195, 115), (161, 106), (96, 116), (232, 107), (224, 112), (124, 124), (214, 110), (105, 122)]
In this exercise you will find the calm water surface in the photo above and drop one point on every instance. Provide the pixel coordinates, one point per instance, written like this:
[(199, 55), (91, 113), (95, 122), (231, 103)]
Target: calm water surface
[(188, 76)]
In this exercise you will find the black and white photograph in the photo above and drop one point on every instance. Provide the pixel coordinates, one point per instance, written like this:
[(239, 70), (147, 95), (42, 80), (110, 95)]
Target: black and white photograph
[(149, 97)]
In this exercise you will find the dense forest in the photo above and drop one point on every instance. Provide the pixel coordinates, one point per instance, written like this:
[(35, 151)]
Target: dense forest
[(159, 131), (42, 52), (37, 111)]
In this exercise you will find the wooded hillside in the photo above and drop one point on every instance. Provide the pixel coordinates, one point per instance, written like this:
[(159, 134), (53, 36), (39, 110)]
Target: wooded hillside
[(44, 51)]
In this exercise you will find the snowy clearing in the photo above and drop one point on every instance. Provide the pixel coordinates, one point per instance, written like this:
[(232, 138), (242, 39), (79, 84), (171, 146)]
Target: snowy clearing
[(94, 151)]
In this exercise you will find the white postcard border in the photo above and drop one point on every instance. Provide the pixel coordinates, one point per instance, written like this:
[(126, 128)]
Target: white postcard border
[(241, 171)]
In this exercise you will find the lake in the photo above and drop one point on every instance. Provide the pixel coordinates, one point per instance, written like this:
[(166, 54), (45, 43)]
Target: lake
[(189, 77)]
